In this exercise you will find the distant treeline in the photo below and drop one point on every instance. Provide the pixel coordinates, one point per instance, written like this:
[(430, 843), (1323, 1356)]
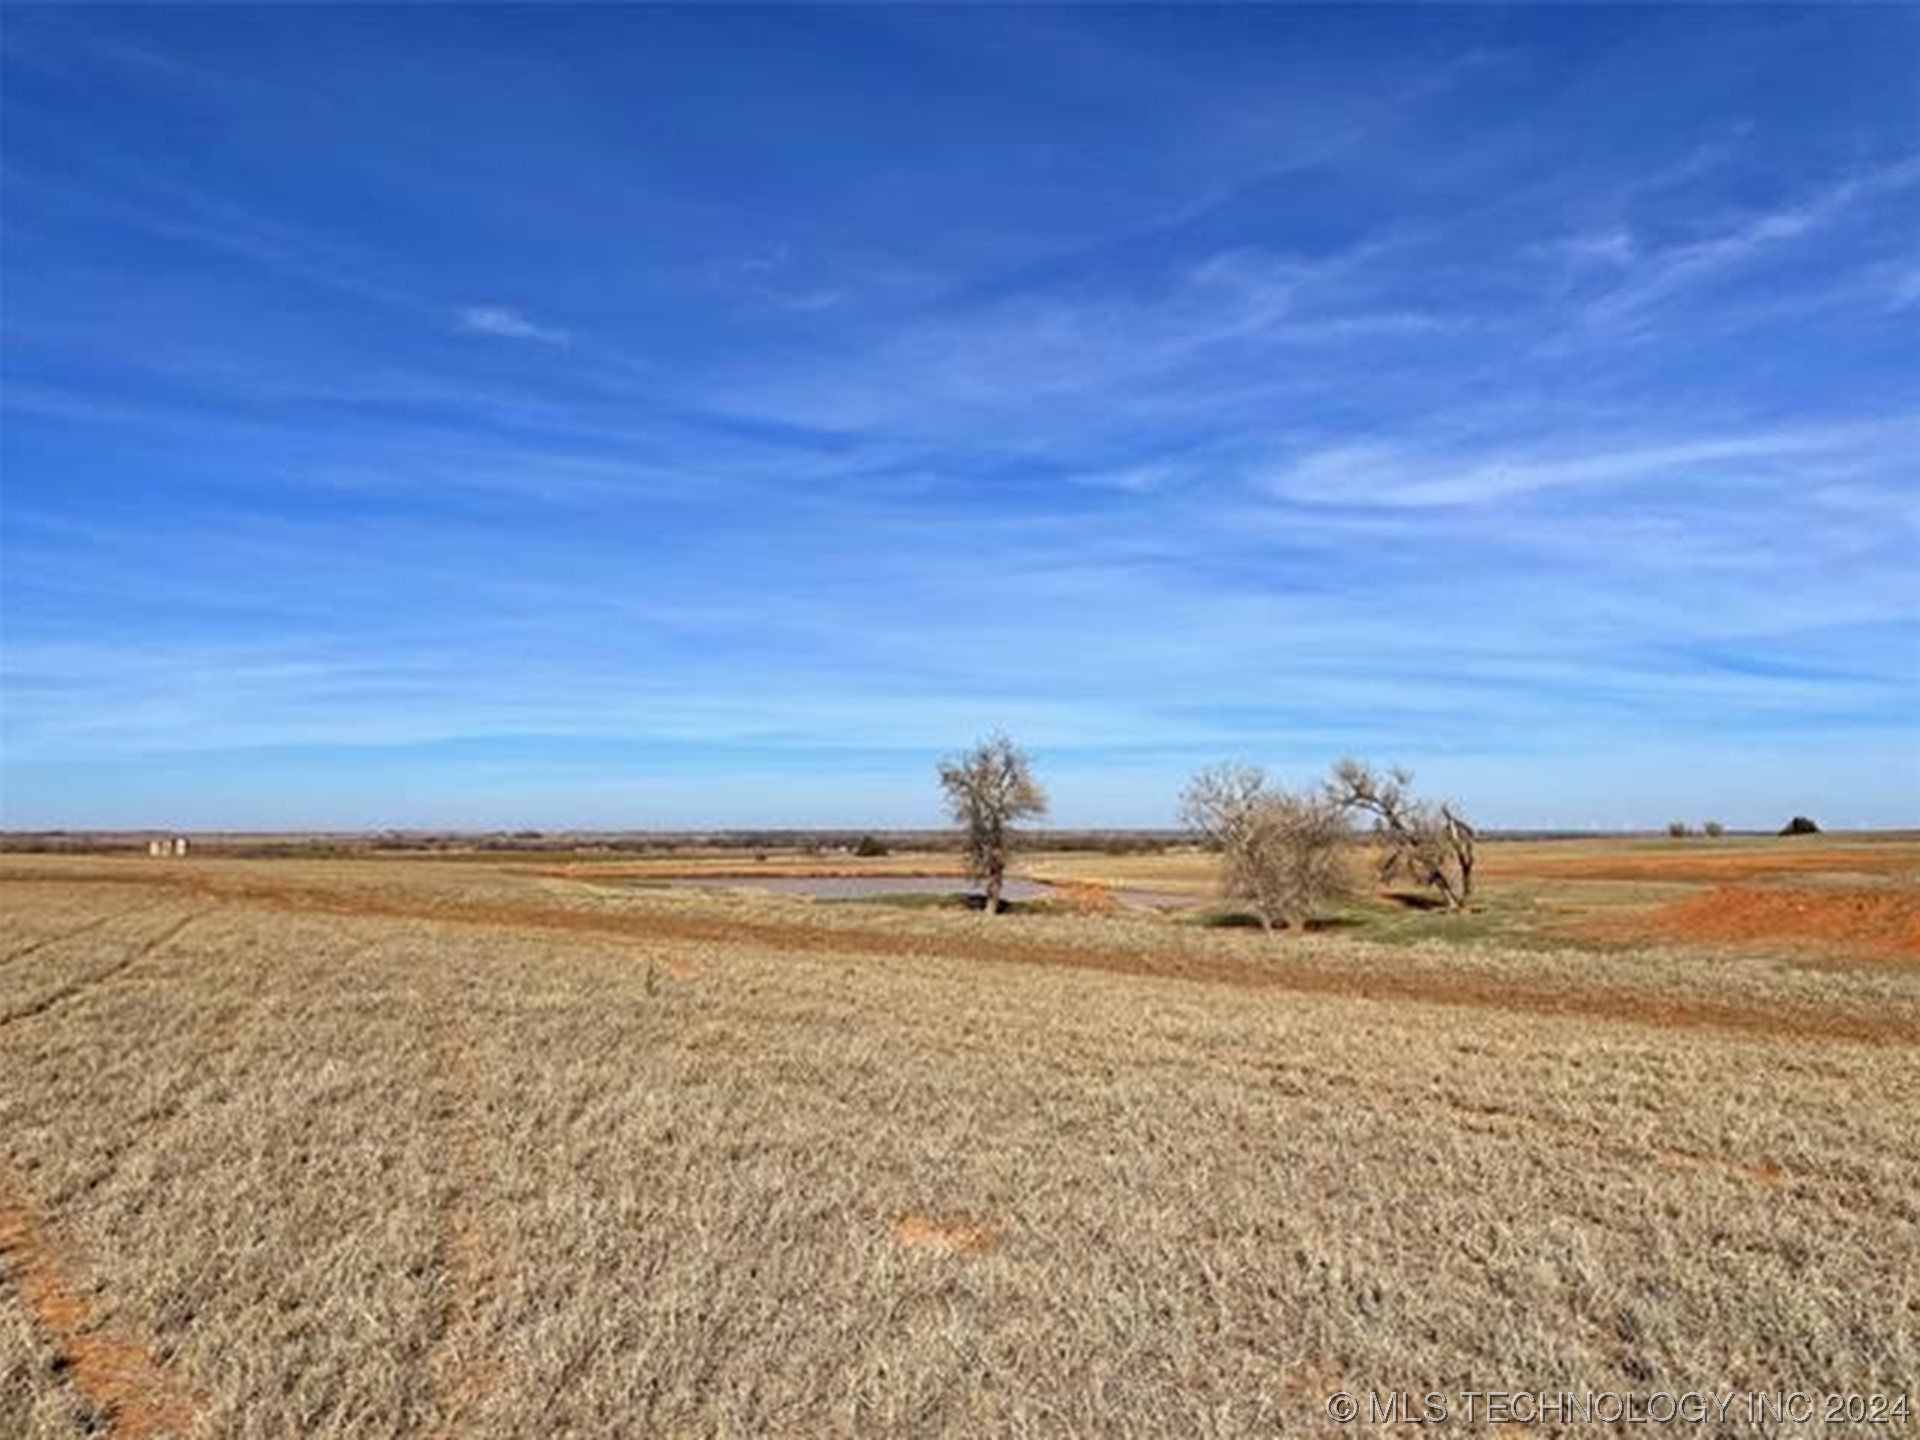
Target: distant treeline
[(632, 842), (453, 843)]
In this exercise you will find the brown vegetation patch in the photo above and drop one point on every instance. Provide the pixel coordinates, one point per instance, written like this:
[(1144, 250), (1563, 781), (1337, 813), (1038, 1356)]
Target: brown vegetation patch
[(118, 1376), (1871, 922), (948, 1237)]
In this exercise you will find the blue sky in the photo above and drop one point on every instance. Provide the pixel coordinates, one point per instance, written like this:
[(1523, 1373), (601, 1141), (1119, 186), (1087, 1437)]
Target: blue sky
[(612, 417)]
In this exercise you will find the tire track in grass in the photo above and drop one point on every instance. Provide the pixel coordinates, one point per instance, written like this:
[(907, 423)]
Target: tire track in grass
[(154, 1128), (113, 1369), (35, 946), (458, 1367), (63, 993)]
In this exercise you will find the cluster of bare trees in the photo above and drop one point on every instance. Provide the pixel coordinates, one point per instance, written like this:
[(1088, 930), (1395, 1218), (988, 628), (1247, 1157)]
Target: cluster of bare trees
[(1283, 854)]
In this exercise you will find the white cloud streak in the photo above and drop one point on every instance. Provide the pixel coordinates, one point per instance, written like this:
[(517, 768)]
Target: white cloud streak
[(507, 323), (1403, 475), (1660, 275)]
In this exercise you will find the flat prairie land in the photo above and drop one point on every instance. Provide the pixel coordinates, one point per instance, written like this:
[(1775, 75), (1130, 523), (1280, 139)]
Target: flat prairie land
[(515, 1148)]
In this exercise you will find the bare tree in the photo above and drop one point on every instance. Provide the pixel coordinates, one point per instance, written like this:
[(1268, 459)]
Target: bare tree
[(989, 789), (1282, 856), (1427, 843), (1219, 802)]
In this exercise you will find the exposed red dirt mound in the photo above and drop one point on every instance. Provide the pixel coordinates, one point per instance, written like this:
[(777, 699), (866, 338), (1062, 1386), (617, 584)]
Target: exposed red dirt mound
[(1871, 922), (955, 1237)]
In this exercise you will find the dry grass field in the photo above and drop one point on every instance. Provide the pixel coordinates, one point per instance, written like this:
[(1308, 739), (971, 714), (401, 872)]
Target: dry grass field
[(515, 1148)]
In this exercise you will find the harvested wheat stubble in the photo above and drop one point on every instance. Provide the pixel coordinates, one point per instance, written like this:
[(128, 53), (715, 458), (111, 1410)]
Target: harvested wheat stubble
[(386, 1150), (61, 936), (30, 990), (460, 1369)]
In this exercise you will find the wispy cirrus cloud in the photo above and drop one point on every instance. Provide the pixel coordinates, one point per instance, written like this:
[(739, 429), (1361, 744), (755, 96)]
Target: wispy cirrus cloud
[(1407, 475), (1654, 276), (506, 323)]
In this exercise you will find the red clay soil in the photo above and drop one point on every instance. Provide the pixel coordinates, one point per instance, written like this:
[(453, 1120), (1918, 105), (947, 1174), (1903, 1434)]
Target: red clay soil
[(948, 1237), (1879, 923), (1299, 971), (1722, 866), (118, 1376)]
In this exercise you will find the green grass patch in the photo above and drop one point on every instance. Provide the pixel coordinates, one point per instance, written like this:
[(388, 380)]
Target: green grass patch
[(1508, 915), (909, 900)]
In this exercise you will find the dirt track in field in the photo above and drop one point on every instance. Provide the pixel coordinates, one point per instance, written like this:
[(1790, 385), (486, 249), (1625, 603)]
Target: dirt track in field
[(459, 1367), (116, 1372), (1302, 971)]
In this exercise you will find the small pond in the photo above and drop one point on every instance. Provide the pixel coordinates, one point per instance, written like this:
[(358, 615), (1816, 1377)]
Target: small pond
[(874, 887)]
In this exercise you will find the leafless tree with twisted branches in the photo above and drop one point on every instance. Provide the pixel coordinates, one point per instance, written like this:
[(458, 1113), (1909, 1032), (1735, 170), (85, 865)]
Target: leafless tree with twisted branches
[(1430, 844), (989, 789)]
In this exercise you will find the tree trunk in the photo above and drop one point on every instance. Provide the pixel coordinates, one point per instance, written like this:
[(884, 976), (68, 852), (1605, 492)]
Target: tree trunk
[(1460, 839), (995, 880)]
